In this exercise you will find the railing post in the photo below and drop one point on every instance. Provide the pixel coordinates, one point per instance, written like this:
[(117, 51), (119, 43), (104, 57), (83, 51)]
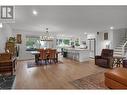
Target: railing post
[(123, 49)]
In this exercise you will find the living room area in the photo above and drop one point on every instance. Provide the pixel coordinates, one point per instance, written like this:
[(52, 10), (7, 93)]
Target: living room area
[(63, 47)]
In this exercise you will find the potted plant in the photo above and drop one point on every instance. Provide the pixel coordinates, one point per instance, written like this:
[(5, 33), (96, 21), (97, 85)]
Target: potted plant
[(12, 39)]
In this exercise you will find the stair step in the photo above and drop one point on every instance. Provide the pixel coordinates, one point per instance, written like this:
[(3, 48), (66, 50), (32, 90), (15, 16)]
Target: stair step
[(118, 48), (120, 45), (123, 41), (119, 53)]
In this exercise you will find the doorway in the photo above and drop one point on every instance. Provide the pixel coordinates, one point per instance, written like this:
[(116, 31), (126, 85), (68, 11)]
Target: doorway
[(92, 47)]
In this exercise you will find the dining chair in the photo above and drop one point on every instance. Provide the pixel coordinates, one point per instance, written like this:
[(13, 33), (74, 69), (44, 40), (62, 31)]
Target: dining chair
[(43, 55), (53, 55)]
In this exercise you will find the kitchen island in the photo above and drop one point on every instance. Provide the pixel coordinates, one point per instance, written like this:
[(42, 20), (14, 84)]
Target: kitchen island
[(78, 54)]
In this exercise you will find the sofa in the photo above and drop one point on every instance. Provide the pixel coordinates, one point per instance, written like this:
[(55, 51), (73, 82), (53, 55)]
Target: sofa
[(105, 59), (116, 78)]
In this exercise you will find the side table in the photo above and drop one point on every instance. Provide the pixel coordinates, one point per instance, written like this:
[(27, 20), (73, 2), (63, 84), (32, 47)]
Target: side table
[(117, 61)]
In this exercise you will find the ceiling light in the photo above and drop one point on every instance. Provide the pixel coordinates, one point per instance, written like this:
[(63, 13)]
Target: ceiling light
[(111, 27), (1, 25), (46, 36), (35, 12)]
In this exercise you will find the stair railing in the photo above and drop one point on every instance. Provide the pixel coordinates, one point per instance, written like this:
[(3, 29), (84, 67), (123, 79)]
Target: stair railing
[(123, 49)]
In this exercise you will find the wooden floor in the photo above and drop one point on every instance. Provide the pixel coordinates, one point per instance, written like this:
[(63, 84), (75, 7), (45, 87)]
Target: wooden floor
[(52, 76)]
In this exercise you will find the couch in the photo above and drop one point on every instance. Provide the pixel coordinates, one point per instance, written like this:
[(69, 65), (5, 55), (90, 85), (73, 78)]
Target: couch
[(116, 78)]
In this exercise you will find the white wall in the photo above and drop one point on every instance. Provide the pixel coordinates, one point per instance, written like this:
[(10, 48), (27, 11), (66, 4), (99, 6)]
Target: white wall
[(99, 41), (5, 33), (83, 37), (110, 38)]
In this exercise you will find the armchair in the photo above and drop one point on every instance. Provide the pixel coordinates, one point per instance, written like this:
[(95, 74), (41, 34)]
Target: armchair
[(7, 63), (106, 58)]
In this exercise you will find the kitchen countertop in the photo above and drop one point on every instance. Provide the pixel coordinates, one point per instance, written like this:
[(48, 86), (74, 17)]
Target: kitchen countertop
[(78, 49)]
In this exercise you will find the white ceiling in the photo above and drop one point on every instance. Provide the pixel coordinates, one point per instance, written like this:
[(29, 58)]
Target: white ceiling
[(70, 19)]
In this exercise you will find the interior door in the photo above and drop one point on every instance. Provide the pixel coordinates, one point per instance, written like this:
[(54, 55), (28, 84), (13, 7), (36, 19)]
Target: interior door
[(92, 48)]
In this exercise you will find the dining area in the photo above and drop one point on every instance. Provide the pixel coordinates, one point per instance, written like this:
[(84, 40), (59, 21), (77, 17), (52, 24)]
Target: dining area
[(45, 56)]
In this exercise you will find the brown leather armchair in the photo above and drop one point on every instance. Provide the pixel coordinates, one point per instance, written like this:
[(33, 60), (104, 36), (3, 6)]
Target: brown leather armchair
[(106, 58), (125, 63), (7, 63)]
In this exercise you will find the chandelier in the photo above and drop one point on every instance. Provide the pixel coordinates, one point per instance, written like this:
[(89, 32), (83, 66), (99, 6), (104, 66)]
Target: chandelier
[(46, 36)]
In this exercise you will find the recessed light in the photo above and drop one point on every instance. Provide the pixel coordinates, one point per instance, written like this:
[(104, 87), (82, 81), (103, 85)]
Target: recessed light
[(111, 27), (35, 12), (62, 34), (1, 25), (85, 33)]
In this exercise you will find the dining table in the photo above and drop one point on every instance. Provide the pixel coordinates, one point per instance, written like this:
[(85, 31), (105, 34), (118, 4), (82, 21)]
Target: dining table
[(37, 55)]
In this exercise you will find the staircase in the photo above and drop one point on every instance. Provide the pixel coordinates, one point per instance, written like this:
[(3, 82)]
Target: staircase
[(121, 48)]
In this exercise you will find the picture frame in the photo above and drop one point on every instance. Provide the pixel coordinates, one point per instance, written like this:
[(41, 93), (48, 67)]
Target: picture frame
[(19, 39), (106, 36)]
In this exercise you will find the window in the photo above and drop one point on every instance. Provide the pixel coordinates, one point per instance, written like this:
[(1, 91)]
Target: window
[(59, 41), (32, 42), (63, 41), (66, 41), (77, 42)]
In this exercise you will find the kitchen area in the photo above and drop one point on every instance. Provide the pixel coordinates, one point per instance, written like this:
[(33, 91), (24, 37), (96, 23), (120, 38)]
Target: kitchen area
[(77, 54), (76, 48)]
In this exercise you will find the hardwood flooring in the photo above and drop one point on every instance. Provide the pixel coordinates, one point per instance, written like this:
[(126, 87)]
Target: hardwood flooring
[(53, 76)]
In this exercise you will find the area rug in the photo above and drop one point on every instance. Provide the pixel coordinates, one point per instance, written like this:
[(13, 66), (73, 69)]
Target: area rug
[(6, 82), (33, 64), (94, 81)]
